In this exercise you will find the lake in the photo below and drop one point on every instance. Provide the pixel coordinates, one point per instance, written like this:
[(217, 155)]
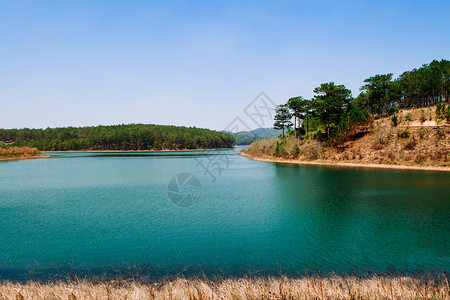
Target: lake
[(216, 212)]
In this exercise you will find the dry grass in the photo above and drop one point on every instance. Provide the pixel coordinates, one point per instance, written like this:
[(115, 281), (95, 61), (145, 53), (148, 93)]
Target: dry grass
[(18, 151), (9, 152), (308, 287)]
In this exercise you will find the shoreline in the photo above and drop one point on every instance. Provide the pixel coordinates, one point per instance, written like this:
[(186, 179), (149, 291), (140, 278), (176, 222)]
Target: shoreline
[(131, 151), (24, 157), (346, 165)]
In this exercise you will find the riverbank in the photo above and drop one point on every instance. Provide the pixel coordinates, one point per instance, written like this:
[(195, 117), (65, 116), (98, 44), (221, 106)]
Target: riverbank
[(308, 287), (23, 157), (411, 143), (345, 164)]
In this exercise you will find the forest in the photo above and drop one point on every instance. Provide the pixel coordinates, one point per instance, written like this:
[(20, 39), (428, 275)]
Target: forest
[(332, 113), (117, 137)]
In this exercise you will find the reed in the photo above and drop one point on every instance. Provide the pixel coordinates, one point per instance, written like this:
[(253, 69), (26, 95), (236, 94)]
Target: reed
[(307, 287)]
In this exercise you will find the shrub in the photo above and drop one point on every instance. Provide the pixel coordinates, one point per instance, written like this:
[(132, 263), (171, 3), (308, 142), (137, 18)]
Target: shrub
[(410, 145), (419, 158), (408, 117), (394, 121), (442, 112), (403, 134), (422, 133), (277, 149), (312, 149), (382, 134), (422, 116)]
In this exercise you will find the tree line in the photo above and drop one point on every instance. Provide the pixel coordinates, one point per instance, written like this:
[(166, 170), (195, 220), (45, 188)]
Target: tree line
[(428, 85), (117, 137), (333, 111)]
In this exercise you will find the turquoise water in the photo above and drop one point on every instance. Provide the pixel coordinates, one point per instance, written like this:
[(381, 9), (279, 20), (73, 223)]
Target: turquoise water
[(108, 212)]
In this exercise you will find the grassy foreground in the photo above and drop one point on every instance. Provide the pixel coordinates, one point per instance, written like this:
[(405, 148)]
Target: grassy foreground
[(309, 287)]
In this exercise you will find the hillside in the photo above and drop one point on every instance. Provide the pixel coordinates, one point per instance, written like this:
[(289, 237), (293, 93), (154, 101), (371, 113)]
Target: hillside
[(418, 139), (117, 137), (248, 137)]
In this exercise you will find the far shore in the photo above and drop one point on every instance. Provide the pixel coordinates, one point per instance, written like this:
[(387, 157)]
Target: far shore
[(346, 165), (116, 151)]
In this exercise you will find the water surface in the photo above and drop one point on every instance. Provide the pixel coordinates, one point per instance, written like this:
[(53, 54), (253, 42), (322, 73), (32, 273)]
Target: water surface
[(106, 212)]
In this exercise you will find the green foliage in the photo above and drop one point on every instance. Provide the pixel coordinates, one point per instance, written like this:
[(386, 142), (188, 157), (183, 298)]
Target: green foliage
[(313, 123), (277, 149), (118, 137), (403, 134), (394, 121), (443, 112), (381, 92), (302, 110), (315, 135), (408, 118), (329, 103), (429, 85), (282, 118)]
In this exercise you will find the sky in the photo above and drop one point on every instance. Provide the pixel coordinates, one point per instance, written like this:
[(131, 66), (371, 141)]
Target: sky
[(198, 63)]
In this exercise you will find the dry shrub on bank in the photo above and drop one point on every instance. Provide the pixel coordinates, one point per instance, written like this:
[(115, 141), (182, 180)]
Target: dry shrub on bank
[(264, 147), (18, 151), (311, 149), (309, 287), (382, 135), (288, 147)]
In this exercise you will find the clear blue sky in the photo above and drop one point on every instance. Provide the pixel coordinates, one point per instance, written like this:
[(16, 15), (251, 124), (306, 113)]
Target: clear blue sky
[(198, 63)]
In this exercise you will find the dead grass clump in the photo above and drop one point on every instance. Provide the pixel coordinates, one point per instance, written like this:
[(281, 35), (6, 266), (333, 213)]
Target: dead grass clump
[(307, 287), (411, 144), (420, 158), (378, 146), (392, 156)]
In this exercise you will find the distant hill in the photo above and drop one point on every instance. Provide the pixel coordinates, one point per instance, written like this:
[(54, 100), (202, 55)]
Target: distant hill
[(248, 137), (118, 137)]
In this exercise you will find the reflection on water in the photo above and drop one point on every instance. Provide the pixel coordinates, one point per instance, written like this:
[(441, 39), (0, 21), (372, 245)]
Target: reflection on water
[(108, 212)]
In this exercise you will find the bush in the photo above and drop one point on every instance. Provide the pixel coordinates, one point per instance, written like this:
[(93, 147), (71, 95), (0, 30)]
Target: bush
[(442, 112), (422, 116), (277, 149), (408, 117), (422, 133), (403, 134), (312, 149), (410, 145), (18, 151), (394, 121)]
